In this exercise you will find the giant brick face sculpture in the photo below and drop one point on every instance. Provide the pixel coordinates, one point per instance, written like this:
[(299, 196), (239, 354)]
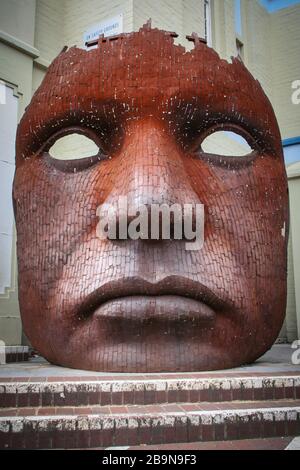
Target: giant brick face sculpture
[(150, 305)]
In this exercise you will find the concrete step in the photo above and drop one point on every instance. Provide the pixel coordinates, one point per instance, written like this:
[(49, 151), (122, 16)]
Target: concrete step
[(269, 443), (142, 391), (96, 426)]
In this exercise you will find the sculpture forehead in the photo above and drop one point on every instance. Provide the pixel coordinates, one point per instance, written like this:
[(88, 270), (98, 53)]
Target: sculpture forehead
[(146, 73), (149, 64)]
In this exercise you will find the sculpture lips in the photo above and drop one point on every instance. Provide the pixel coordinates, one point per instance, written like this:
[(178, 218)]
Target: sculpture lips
[(173, 298), (152, 308)]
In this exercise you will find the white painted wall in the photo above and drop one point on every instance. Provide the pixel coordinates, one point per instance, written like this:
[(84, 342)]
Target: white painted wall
[(8, 126)]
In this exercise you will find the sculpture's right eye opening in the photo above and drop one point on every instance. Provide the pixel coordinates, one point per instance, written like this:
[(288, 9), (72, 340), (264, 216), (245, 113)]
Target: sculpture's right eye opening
[(73, 149)]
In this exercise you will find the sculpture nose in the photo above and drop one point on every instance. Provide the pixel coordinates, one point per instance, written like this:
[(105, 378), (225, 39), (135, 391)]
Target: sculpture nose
[(150, 174)]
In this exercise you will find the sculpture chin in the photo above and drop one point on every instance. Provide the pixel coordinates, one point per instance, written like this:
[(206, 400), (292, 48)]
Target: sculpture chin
[(167, 333), (136, 356)]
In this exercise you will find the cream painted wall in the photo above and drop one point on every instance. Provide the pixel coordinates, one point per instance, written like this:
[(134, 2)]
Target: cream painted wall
[(63, 22), (181, 16), (293, 172), (256, 36), (193, 18), (38, 73), (48, 36), (167, 15), (223, 28), (80, 14), (285, 46), (10, 325), (17, 18), (49, 29), (17, 27), (291, 315)]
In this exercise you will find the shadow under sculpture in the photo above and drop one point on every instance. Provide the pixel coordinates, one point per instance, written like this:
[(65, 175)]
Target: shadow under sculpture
[(150, 305)]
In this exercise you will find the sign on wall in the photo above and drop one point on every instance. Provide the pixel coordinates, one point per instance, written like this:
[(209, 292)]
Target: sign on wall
[(109, 27)]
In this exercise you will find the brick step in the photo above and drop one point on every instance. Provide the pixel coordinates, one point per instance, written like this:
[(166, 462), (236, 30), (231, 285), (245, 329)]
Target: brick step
[(147, 391), (90, 427)]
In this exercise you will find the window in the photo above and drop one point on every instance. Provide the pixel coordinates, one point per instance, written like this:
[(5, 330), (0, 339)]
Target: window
[(207, 22), (291, 150)]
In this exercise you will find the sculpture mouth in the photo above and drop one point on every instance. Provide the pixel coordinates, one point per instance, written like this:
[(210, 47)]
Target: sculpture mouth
[(174, 298)]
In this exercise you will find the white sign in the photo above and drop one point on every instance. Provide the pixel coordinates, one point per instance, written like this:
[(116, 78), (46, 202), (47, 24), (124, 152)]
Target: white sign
[(109, 27)]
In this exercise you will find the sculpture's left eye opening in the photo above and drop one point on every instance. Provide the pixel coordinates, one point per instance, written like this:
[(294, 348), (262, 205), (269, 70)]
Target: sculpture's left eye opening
[(73, 149), (226, 143)]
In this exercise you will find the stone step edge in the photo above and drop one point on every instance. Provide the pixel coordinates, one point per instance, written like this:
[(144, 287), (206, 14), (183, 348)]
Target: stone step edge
[(147, 391), (153, 384), (104, 430), (118, 410), (154, 377)]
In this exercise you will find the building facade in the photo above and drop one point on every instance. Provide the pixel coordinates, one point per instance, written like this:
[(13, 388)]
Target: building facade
[(33, 32)]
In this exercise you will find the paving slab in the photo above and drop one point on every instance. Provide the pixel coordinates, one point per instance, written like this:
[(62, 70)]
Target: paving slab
[(277, 361), (276, 443)]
